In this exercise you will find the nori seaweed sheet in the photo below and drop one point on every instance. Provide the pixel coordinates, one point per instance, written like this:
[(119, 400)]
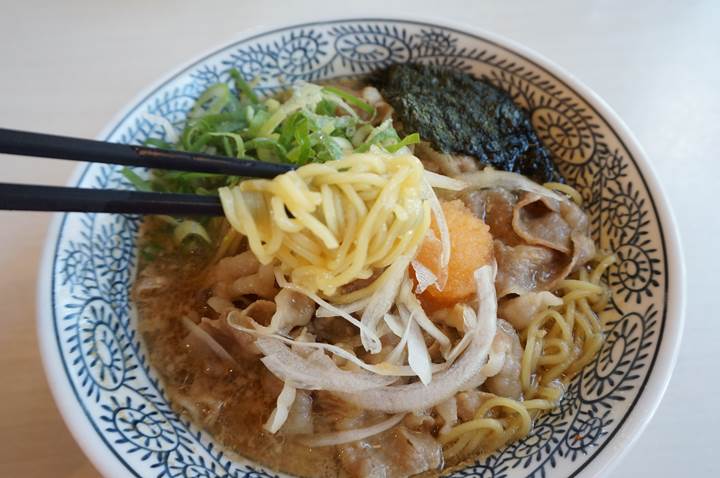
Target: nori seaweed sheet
[(458, 113)]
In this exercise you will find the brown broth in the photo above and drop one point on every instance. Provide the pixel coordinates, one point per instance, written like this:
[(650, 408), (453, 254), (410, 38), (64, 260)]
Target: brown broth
[(231, 405)]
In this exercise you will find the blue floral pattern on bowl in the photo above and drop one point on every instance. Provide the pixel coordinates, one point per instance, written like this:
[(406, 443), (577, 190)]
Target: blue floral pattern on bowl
[(95, 256)]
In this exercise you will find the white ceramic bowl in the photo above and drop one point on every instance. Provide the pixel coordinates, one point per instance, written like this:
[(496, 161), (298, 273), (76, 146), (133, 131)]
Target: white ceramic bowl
[(111, 399)]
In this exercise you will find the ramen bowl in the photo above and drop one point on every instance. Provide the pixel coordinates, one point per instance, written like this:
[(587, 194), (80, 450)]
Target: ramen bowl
[(113, 401)]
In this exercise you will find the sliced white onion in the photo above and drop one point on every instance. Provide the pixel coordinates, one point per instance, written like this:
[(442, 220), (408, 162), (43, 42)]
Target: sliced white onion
[(333, 310), (303, 336), (383, 329), (491, 178), (300, 417), (317, 371), (469, 318), (418, 355), (440, 181), (348, 436), (445, 384), (207, 339), (425, 277), (350, 308), (282, 409), (463, 343), (395, 354), (496, 358), (394, 324), (445, 252), (381, 368), (411, 302), (285, 370), (380, 303)]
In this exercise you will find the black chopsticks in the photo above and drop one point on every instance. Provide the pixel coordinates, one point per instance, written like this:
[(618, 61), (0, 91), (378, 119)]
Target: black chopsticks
[(23, 197), (41, 145), (47, 198)]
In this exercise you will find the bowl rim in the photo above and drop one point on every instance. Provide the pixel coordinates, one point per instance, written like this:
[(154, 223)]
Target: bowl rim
[(650, 392)]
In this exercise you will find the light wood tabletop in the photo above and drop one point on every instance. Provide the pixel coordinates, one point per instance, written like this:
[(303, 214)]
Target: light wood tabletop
[(68, 67)]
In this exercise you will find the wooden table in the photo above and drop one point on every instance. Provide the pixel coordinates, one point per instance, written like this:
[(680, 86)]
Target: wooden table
[(68, 67)]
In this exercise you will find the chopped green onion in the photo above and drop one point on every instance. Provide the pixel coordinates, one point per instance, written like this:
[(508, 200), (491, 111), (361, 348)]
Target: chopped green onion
[(158, 143), (407, 140), (239, 143), (311, 123), (139, 183), (305, 96), (361, 134), (381, 135), (168, 219), (189, 228), (352, 99), (201, 191), (272, 104), (191, 176), (243, 86), (212, 101), (325, 108)]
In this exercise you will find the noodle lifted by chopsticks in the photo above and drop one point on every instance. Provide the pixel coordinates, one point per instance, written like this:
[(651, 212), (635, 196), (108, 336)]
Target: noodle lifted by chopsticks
[(332, 223)]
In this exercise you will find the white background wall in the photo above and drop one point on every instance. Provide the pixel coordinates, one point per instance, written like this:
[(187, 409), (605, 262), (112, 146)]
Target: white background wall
[(67, 66)]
